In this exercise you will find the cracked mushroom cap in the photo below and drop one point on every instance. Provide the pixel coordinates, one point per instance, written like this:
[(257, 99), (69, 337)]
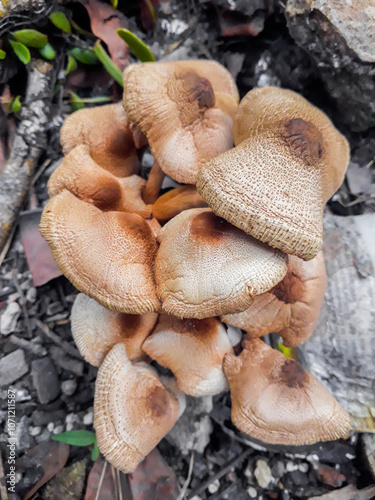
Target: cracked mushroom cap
[(176, 201), (288, 161), (133, 409), (291, 309), (96, 330), (185, 109), (193, 350), (106, 132), (206, 266), (108, 256), (276, 401), (82, 176)]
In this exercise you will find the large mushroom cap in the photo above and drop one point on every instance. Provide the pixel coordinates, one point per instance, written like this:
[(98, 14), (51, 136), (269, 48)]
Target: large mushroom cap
[(276, 401), (291, 309), (205, 266), (133, 410), (107, 256), (186, 111), (288, 161), (193, 350)]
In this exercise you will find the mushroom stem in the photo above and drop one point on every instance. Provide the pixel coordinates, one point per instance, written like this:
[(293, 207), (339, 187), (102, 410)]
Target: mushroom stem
[(153, 184)]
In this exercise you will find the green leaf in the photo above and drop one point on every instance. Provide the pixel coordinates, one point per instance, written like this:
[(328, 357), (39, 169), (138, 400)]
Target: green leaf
[(287, 351), (30, 38), (95, 451), (3, 54), (48, 52), (60, 20), (75, 102), (76, 438), (72, 65), (84, 56), (107, 62), (139, 49), (21, 51), (114, 3), (15, 104)]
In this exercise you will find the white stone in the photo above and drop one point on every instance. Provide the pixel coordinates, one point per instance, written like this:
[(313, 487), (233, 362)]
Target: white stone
[(214, 486), (263, 473), (88, 419), (51, 426), (252, 492), (35, 431), (9, 318)]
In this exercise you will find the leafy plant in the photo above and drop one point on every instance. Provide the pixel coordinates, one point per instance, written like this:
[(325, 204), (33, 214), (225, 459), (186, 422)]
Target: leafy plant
[(3, 54), (30, 38), (21, 51), (61, 22), (107, 62), (79, 438), (139, 49)]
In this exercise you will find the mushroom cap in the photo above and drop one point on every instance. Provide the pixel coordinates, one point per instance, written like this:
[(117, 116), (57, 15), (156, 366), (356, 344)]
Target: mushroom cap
[(291, 309), (80, 235), (185, 109), (96, 330), (176, 201), (106, 132), (133, 410), (193, 350), (205, 266), (79, 174), (289, 160), (276, 401)]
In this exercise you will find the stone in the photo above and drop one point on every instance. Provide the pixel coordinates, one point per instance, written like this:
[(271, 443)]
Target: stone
[(35, 431), (88, 418), (368, 443), (252, 492), (31, 295), (13, 366), (67, 363), (214, 486), (42, 417), (68, 387), (45, 380), (9, 318), (263, 473)]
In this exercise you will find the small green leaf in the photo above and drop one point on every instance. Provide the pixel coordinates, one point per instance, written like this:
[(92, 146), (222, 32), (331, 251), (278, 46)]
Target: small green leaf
[(3, 54), (95, 451), (21, 51), (75, 102), (72, 65), (48, 52), (76, 438), (15, 104), (139, 49), (151, 9), (84, 56), (107, 62), (30, 38), (287, 351), (114, 3), (60, 20)]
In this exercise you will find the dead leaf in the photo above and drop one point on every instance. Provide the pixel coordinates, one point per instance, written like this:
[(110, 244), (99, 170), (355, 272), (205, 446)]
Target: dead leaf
[(148, 9), (97, 475)]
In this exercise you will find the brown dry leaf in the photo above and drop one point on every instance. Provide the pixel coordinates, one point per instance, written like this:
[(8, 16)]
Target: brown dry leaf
[(148, 10), (100, 475)]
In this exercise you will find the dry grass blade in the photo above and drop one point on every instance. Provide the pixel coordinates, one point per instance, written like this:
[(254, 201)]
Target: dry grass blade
[(182, 494), (101, 480)]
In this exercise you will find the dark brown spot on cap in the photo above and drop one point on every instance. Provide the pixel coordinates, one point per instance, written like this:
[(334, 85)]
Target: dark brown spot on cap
[(292, 374), (207, 227), (158, 401), (107, 196), (135, 225), (200, 327), (199, 89), (304, 139), (130, 324), (290, 289)]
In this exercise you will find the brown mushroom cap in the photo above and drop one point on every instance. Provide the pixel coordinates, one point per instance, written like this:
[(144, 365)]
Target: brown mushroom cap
[(186, 111), (291, 309), (107, 256), (193, 350), (106, 132), (288, 162), (96, 330), (133, 410), (205, 266), (276, 401), (176, 201)]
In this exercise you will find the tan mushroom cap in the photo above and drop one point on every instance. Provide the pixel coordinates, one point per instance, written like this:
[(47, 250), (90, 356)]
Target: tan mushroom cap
[(288, 162), (176, 201), (106, 132), (108, 256), (96, 330), (186, 111), (79, 174), (205, 266), (291, 309), (133, 410), (276, 401), (193, 350)]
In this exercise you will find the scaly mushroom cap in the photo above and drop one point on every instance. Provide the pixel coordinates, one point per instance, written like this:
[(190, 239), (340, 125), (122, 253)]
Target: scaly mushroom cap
[(193, 350), (205, 266), (276, 401), (96, 330), (133, 410), (288, 162), (186, 111), (106, 132), (176, 201), (291, 309), (79, 174), (108, 256)]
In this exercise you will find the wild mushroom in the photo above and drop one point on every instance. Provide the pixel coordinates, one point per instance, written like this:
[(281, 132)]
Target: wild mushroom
[(96, 330), (288, 161), (176, 201), (185, 109), (205, 266), (276, 401), (193, 350), (133, 409), (291, 309)]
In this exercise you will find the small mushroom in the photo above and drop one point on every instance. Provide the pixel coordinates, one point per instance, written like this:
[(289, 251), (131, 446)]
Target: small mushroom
[(176, 201), (105, 131), (288, 161), (96, 330), (193, 350), (276, 401), (133, 409), (205, 266), (291, 309)]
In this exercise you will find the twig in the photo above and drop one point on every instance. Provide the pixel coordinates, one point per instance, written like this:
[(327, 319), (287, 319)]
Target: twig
[(101, 480), (182, 493), (23, 303), (55, 338), (3, 489), (29, 346)]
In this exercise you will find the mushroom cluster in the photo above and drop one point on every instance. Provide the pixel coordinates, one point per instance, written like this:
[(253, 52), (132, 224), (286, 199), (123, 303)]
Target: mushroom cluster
[(238, 244)]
